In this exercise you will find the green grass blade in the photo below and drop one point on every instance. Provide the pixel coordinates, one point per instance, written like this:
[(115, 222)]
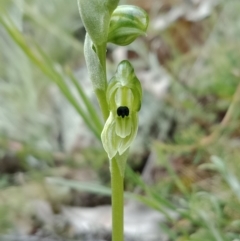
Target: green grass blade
[(91, 110), (81, 186), (47, 67)]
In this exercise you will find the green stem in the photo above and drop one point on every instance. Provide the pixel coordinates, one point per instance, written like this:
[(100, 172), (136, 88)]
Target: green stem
[(116, 177), (101, 95), (101, 53), (117, 202)]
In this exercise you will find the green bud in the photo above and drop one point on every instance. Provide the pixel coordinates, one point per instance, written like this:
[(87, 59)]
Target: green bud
[(127, 23), (95, 15), (124, 95)]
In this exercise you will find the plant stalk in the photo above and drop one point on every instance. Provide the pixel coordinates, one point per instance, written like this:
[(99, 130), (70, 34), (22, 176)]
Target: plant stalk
[(117, 202), (101, 95), (116, 177)]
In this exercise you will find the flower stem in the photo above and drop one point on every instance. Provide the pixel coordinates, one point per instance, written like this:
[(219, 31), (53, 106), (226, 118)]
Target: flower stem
[(116, 177), (101, 95), (117, 202)]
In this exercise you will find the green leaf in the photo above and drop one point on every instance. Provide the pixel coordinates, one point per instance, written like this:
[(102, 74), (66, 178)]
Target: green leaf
[(121, 161), (94, 66), (96, 15), (45, 64)]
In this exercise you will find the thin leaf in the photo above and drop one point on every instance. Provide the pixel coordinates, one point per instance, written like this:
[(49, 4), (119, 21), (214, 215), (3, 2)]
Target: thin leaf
[(43, 62), (92, 111)]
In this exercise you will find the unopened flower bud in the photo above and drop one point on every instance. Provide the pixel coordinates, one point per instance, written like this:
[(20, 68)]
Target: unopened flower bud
[(127, 23)]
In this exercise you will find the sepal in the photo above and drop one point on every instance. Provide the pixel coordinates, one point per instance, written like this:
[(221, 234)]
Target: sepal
[(123, 79)]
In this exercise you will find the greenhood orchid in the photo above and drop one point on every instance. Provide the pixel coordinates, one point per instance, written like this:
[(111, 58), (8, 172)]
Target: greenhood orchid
[(120, 98), (124, 95)]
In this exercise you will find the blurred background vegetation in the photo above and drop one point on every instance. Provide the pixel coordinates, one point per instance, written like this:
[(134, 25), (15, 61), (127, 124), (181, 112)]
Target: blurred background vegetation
[(186, 158)]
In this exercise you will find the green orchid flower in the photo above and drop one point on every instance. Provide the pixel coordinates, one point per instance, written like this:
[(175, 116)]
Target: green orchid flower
[(124, 95)]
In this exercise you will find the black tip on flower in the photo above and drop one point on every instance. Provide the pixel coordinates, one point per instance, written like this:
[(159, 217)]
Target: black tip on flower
[(122, 111)]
